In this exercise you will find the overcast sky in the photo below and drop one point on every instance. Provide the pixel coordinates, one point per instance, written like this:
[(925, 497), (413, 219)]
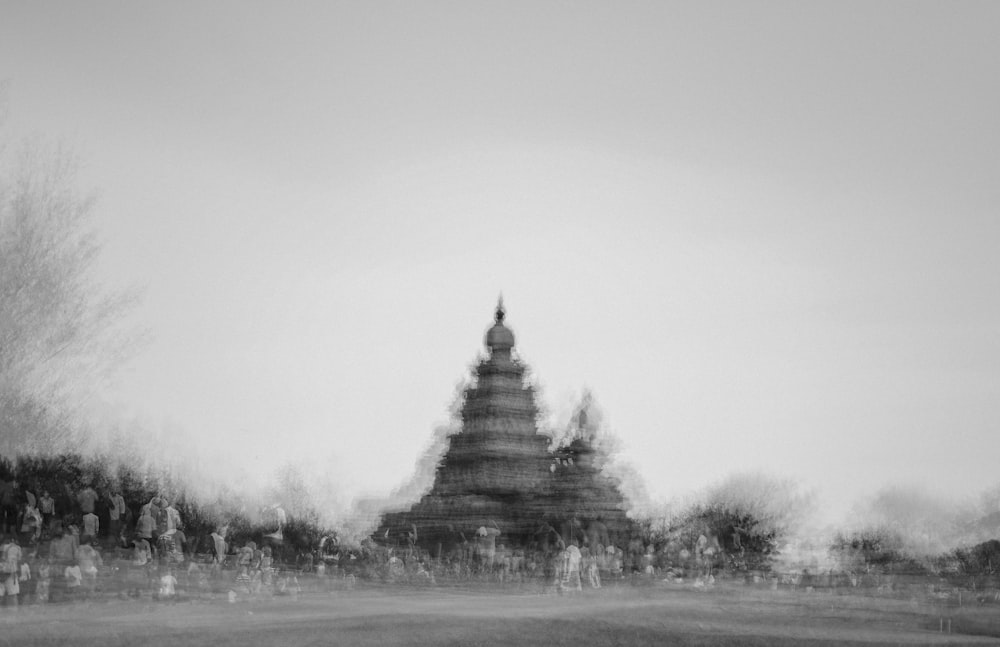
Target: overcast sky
[(765, 235)]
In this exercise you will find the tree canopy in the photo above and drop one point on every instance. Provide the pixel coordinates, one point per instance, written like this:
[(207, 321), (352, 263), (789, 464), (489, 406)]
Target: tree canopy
[(60, 329)]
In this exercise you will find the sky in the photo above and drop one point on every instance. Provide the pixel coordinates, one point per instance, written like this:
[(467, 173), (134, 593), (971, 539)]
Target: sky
[(763, 234)]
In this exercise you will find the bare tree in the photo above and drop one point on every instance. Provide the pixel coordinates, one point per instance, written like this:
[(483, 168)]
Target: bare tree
[(60, 329)]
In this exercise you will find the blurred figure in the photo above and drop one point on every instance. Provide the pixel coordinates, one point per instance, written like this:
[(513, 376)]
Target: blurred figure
[(152, 520), (648, 565), (591, 566), (43, 581), (219, 549), (486, 545), (10, 570), (172, 517), (139, 570), (91, 526), (617, 567), (548, 538), (47, 506), (197, 578), (62, 549), (73, 577), (597, 534), (245, 564), (142, 552), (411, 543), (172, 546), (25, 581), (31, 526), (395, 567), (89, 560), (146, 525), (168, 584), (571, 576), (25, 498), (274, 519), (116, 513), (73, 532), (86, 500)]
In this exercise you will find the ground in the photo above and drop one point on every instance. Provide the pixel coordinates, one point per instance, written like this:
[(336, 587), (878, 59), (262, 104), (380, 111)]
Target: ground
[(436, 616)]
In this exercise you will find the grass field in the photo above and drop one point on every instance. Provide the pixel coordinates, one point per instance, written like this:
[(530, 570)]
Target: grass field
[(623, 616)]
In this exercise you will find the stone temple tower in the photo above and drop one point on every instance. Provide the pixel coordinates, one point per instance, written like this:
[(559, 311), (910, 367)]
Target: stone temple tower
[(500, 472), (497, 470), (499, 455)]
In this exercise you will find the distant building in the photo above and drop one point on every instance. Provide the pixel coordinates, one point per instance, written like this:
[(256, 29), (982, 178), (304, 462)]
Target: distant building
[(499, 471)]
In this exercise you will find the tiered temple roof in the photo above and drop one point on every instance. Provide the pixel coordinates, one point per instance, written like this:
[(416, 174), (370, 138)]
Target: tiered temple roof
[(499, 469)]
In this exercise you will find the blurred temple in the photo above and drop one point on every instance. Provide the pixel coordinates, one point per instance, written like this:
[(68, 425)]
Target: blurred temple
[(499, 481)]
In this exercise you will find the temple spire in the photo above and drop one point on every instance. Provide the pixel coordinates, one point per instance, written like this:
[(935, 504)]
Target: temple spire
[(499, 337)]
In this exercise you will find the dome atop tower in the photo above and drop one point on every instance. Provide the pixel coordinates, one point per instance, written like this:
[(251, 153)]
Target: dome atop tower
[(499, 337)]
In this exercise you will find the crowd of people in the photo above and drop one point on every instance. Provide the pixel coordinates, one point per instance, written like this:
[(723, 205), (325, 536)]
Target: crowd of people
[(89, 543), (82, 543)]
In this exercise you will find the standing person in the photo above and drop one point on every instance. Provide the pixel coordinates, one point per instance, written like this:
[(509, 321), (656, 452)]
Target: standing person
[(172, 546), (91, 526), (145, 526), (219, 549), (168, 584), (89, 560), (138, 570), (61, 549), (486, 545), (266, 567), (127, 528), (116, 513), (47, 506), (151, 510), (590, 566), (571, 579), (556, 561), (142, 553), (87, 498), (31, 526), (73, 576), (411, 542), (244, 564), (172, 518), (25, 582), (597, 534), (25, 495), (29, 495), (43, 581), (10, 570), (74, 537)]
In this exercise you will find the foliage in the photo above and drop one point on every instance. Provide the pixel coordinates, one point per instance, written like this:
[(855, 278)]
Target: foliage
[(748, 542), (65, 475), (60, 331), (981, 559), (750, 516), (922, 522), (6, 469), (878, 548)]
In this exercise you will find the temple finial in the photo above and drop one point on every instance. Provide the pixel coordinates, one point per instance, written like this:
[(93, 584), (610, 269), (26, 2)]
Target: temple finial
[(500, 311)]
